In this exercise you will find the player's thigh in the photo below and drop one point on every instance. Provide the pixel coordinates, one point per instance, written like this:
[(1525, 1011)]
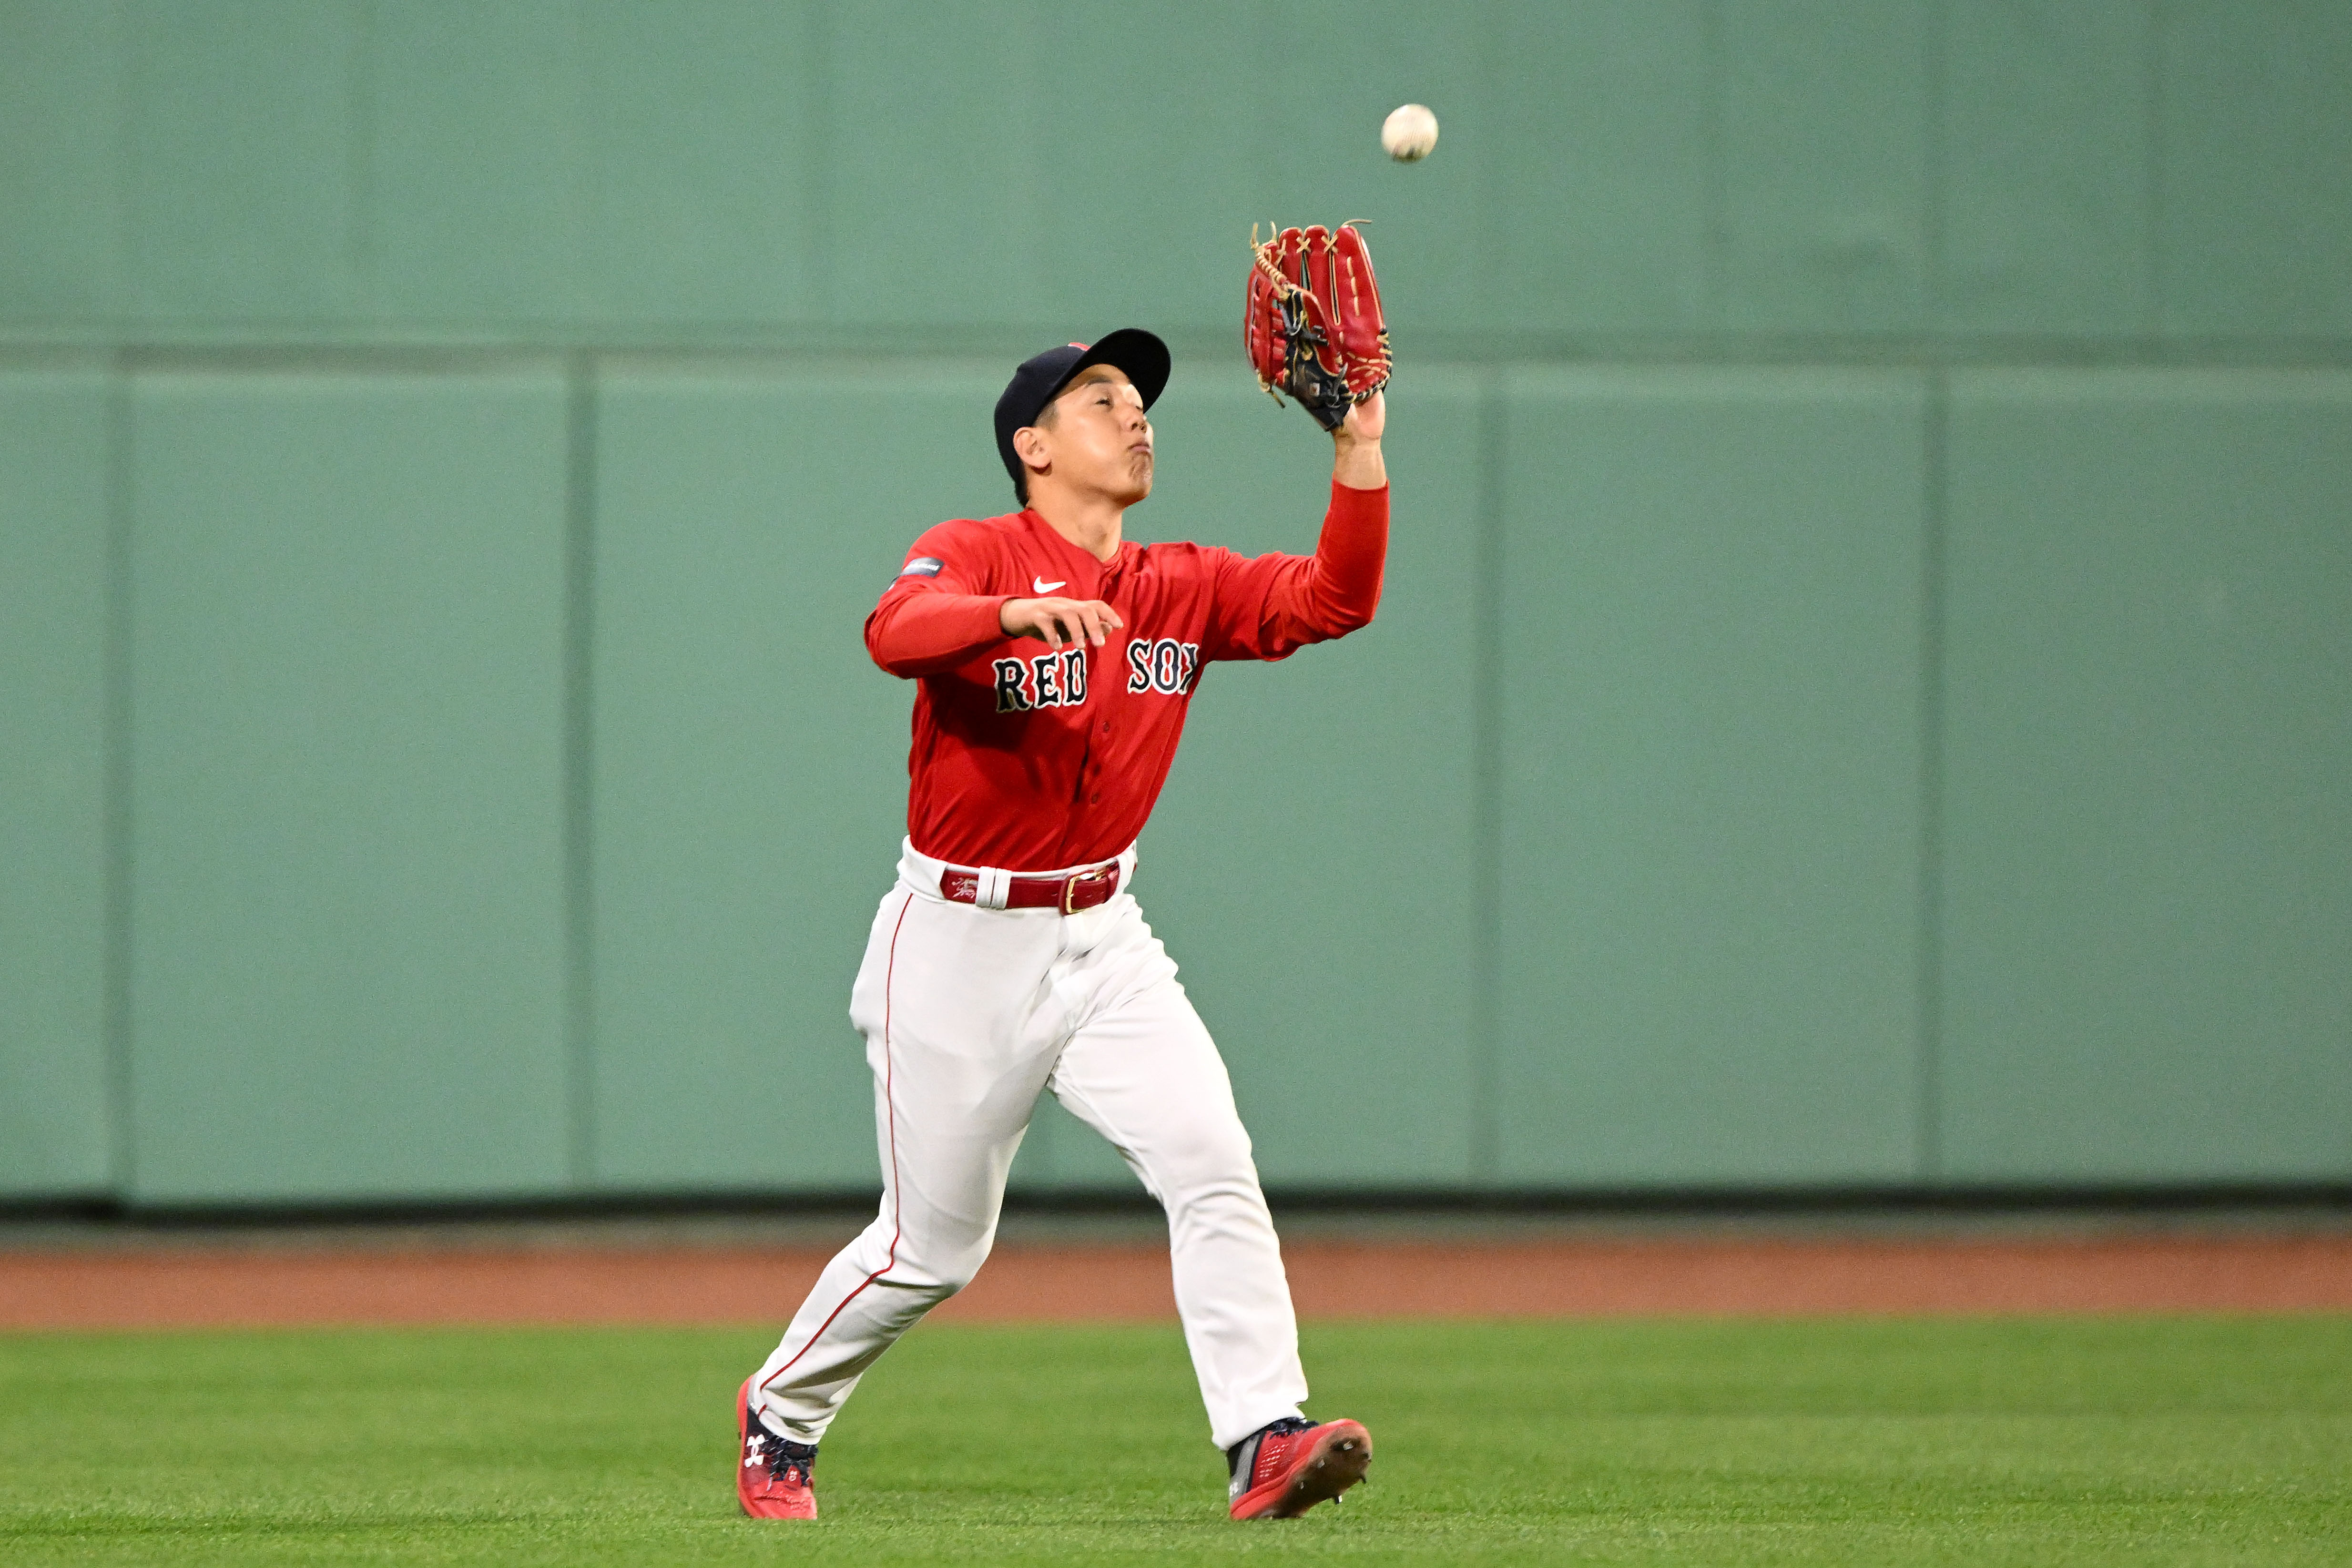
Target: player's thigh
[(947, 1001), (956, 989)]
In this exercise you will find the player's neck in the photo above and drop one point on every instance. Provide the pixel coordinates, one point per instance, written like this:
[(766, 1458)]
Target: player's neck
[(1092, 522)]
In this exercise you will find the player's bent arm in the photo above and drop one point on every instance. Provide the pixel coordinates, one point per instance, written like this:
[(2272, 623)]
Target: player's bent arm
[(914, 632), (1056, 621)]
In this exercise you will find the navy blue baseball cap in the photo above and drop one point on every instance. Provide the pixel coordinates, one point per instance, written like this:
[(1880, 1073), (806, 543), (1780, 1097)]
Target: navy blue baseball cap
[(1041, 378)]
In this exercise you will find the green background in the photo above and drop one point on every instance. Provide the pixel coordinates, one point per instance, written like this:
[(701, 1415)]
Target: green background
[(1864, 696)]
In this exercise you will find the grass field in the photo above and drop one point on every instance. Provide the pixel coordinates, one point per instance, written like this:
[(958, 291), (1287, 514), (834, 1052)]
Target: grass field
[(1871, 1442)]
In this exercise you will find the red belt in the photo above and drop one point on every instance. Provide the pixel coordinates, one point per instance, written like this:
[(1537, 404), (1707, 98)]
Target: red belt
[(1079, 890)]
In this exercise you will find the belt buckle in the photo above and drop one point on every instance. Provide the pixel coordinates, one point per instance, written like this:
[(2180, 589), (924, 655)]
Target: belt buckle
[(1070, 888)]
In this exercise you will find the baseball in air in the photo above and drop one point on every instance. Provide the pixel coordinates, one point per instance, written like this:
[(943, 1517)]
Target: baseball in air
[(1408, 133)]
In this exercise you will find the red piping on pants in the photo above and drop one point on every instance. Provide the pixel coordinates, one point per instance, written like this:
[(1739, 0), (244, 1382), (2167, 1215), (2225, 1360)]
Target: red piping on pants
[(890, 1118)]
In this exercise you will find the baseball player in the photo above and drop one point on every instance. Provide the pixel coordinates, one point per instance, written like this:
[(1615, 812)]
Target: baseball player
[(1056, 661)]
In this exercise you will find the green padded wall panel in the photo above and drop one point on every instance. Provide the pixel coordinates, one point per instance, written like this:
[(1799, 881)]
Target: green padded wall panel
[(1607, 168), (1823, 157), (751, 760), (1710, 919), (347, 855), (340, 168), (1137, 183), (1312, 865), (2257, 173), (2046, 143), (477, 192), (61, 112), (244, 178), (538, 166), (2148, 877), (938, 209), (706, 140), (55, 1126), (1599, 206)]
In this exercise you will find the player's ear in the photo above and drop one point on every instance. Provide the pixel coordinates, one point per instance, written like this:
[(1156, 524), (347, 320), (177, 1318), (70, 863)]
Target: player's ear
[(1030, 445)]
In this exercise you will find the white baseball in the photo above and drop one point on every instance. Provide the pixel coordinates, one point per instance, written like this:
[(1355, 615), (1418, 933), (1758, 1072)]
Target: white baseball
[(1408, 133)]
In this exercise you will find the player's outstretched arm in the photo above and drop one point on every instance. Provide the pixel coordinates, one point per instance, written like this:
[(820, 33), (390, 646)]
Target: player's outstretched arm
[(1355, 446), (1268, 605)]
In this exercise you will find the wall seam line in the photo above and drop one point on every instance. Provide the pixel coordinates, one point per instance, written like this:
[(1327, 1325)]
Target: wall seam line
[(1486, 785), (1936, 152), (1715, 262), (818, 257), (579, 770), (359, 161), (2152, 242), (1934, 481), (116, 810)]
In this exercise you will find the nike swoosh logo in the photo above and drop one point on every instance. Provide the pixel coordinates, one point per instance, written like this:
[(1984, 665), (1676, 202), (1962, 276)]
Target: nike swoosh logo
[(1039, 585)]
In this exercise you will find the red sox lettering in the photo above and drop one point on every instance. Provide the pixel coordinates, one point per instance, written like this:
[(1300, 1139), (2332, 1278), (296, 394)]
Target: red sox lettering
[(1162, 665), (1047, 680)]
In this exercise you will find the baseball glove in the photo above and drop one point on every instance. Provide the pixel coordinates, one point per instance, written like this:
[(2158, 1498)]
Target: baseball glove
[(1313, 320)]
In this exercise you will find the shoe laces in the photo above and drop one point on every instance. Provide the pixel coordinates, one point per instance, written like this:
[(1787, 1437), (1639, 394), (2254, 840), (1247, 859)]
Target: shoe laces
[(783, 1457)]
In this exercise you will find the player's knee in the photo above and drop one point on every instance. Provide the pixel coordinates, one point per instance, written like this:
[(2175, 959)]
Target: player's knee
[(940, 1272), (958, 1274), (1209, 1164)]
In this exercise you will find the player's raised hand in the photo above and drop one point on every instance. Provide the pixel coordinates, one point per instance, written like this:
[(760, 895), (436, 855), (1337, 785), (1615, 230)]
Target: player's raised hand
[(1057, 621)]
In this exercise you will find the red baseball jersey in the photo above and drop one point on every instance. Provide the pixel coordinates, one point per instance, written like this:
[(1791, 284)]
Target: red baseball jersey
[(1030, 760)]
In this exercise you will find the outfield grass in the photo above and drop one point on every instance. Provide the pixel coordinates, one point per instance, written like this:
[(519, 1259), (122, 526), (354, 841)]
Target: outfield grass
[(1988, 1442)]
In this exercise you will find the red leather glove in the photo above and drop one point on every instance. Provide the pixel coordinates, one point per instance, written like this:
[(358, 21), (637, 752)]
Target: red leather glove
[(1312, 321)]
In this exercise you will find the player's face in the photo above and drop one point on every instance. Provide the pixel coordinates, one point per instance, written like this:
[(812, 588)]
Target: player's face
[(1098, 440)]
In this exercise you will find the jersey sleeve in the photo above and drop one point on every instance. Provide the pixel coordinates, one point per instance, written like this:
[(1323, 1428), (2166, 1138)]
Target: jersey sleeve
[(1269, 606), (937, 612)]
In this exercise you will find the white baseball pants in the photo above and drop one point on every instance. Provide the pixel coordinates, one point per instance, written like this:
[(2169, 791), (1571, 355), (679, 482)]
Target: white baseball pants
[(968, 1013)]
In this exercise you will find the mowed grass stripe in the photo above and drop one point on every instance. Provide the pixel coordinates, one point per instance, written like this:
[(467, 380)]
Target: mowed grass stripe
[(2129, 1440)]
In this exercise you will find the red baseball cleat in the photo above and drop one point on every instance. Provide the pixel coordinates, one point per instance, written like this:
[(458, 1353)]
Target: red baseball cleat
[(1291, 1466), (772, 1476)]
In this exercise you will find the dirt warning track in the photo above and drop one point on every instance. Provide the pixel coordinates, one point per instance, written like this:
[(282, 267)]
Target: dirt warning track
[(177, 1287)]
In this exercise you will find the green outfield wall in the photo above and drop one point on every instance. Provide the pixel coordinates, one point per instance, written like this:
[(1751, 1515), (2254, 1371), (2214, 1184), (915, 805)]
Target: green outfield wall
[(1863, 697)]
